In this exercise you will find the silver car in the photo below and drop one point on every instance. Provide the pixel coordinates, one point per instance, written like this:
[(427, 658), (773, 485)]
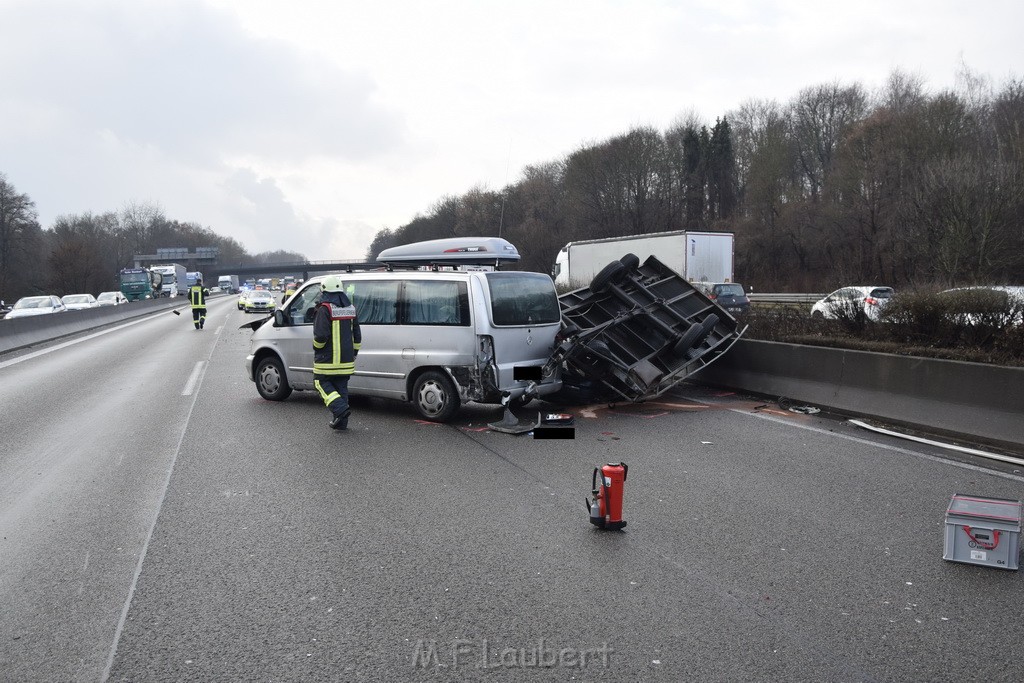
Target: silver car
[(36, 305), (78, 302), (111, 299), (437, 339)]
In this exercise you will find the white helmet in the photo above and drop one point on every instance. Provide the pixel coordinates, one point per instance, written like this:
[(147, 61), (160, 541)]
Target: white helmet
[(332, 283)]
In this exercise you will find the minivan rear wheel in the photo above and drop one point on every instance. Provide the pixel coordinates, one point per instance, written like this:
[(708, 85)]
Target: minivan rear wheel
[(435, 396), (270, 380)]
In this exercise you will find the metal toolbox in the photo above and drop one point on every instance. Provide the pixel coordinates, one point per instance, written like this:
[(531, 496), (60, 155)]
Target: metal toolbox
[(983, 531)]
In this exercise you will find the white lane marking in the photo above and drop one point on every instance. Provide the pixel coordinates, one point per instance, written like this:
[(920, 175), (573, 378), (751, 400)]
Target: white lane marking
[(939, 444), (51, 349), (219, 329), (197, 372), (149, 536), (897, 449)]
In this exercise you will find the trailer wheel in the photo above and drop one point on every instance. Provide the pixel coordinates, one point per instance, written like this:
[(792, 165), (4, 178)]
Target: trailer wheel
[(631, 261), (688, 339), (696, 335), (706, 327), (613, 272)]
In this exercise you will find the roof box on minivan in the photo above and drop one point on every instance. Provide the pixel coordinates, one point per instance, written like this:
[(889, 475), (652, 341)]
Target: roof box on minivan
[(452, 251)]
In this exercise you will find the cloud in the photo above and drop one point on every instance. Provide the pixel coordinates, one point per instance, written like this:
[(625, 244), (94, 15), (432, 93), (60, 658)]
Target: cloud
[(173, 102), (183, 76)]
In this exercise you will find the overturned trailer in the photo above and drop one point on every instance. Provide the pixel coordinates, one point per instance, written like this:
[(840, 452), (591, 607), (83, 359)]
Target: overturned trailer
[(636, 332)]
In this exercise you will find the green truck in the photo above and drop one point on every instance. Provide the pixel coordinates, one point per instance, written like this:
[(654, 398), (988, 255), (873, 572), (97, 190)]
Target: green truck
[(138, 284)]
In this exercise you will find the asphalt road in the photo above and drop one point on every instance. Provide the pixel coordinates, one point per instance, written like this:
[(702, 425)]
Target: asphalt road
[(160, 521)]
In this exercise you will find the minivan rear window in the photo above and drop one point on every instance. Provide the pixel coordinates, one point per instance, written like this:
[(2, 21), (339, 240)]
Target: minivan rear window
[(523, 299), (882, 292)]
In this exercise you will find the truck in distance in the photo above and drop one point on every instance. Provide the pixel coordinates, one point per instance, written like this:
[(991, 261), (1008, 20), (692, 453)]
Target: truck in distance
[(228, 283), (696, 256), (175, 279), (192, 277), (138, 284)]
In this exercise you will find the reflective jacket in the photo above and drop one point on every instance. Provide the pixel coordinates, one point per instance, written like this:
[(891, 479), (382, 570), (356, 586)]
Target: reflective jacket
[(197, 296), (336, 336)]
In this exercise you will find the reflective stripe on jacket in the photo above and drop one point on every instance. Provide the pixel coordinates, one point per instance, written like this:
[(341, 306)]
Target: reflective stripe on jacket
[(336, 338), (197, 296)]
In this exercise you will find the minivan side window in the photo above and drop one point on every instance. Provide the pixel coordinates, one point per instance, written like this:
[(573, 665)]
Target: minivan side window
[(436, 303), (376, 301)]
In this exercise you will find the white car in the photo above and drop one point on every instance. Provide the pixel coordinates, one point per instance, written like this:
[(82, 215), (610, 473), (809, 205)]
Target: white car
[(36, 305), (77, 302), (111, 299), (850, 302), (996, 306)]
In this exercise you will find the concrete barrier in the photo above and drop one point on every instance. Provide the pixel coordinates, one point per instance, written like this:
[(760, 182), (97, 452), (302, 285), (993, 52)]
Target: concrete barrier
[(19, 333), (981, 401)]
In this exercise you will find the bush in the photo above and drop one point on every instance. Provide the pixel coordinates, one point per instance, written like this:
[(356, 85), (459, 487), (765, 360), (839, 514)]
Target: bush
[(977, 325)]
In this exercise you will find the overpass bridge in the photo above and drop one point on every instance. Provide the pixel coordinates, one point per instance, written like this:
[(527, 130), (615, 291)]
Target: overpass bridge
[(303, 268)]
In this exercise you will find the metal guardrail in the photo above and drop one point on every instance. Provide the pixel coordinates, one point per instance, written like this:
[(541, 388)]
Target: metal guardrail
[(784, 298)]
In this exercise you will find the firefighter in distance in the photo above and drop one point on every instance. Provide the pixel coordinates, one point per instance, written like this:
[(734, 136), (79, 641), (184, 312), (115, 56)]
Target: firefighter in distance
[(197, 299)]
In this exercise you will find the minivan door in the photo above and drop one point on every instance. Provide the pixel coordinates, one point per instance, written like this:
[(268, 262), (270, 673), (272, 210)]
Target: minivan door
[(523, 320)]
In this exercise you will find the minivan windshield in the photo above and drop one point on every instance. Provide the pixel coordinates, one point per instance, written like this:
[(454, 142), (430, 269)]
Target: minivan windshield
[(523, 299)]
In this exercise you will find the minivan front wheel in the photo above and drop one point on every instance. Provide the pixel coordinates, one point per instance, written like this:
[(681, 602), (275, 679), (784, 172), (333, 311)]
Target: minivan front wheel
[(435, 396), (270, 380)]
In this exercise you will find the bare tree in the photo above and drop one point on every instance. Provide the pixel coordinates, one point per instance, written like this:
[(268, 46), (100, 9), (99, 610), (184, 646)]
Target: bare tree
[(19, 239), (819, 116)]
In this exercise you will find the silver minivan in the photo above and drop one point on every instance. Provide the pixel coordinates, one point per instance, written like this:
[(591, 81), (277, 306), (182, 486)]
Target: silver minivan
[(436, 338)]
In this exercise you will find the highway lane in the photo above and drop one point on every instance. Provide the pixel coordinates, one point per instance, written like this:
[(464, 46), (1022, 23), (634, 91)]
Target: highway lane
[(91, 430), (759, 546)]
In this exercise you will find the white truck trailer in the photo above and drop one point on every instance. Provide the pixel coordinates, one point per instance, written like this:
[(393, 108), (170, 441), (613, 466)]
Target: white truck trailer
[(175, 279), (228, 283), (697, 256)]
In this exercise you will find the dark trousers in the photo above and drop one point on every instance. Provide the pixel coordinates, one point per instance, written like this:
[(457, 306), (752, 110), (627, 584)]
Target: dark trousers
[(334, 391), (199, 317)]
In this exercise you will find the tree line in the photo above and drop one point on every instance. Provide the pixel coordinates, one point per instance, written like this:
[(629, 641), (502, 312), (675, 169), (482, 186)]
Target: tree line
[(83, 253), (837, 186)]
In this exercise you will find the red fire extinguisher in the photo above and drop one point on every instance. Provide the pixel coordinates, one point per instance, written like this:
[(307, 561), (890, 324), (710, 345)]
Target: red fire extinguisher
[(606, 508)]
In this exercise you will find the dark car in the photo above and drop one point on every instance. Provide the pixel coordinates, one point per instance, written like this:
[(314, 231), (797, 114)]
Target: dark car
[(728, 295)]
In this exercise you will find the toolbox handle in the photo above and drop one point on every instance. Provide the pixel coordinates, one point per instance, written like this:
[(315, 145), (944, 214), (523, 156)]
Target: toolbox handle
[(983, 544)]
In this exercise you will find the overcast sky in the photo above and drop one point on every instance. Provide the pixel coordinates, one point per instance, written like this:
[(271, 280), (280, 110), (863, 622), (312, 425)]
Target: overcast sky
[(309, 125)]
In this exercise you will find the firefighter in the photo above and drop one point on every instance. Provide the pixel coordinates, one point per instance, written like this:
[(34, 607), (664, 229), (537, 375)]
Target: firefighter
[(197, 298), (336, 339)]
